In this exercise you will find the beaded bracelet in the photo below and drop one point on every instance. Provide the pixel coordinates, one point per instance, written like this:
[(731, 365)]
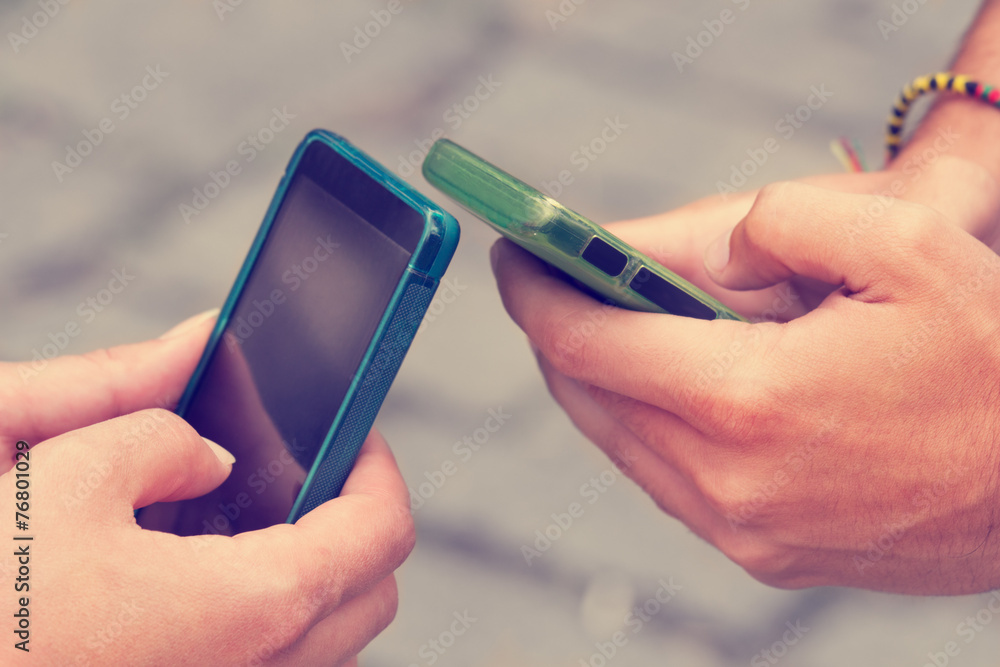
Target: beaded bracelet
[(955, 83)]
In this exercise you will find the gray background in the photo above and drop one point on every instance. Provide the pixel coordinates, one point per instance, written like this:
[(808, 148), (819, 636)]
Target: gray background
[(608, 59)]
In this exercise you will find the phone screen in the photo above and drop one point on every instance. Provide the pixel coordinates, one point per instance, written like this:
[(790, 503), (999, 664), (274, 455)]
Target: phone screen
[(295, 339)]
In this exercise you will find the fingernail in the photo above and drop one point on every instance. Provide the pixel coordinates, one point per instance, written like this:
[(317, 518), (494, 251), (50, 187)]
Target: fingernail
[(190, 324), (717, 253), (494, 255), (224, 454)]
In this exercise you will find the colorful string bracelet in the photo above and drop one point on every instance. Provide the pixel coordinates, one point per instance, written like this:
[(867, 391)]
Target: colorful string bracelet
[(849, 153), (942, 81)]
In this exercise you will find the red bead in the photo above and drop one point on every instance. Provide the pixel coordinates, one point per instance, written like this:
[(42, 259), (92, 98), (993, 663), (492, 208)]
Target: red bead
[(994, 95)]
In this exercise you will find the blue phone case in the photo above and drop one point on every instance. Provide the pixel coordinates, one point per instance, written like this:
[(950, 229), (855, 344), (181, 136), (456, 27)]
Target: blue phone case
[(392, 337)]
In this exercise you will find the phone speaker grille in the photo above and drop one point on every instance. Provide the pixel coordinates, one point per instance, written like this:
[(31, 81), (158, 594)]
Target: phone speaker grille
[(333, 471)]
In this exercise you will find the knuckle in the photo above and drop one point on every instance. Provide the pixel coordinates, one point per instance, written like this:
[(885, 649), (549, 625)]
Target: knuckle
[(273, 638), (914, 234), (300, 591), (103, 360), (268, 613), (734, 497), (768, 563), (758, 497), (769, 199), (159, 425), (103, 356), (743, 412), (165, 417), (766, 221), (912, 248), (315, 574), (387, 595)]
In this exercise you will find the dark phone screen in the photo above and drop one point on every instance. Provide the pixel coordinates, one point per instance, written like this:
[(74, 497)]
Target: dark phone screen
[(294, 342)]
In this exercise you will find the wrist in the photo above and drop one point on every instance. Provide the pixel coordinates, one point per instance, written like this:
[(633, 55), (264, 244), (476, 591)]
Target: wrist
[(962, 127), (952, 164)]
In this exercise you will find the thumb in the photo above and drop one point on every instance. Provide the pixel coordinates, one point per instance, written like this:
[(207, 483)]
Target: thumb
[(143, 458), (871, 244), (68, 393)]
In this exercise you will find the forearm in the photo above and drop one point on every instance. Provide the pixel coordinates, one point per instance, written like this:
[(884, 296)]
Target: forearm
[(972, 128)]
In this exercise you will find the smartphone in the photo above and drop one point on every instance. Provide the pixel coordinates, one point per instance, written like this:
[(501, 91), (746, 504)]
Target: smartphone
[(596, 258), (324, 308)]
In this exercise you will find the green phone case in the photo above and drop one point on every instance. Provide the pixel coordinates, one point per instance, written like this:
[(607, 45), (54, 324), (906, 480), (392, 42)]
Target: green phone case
[(565, 239)]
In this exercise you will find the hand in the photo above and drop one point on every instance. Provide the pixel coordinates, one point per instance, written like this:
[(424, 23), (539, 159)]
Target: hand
[(855, 445), (104, 591), (961, 190)]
